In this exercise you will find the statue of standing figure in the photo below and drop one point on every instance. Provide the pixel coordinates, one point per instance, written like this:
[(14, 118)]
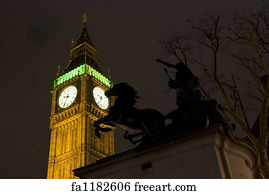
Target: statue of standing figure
[(192, 112), (185, 83)]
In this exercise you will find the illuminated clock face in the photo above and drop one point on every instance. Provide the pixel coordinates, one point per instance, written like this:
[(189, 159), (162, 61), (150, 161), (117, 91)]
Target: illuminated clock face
[(67, 96), (100, 98)]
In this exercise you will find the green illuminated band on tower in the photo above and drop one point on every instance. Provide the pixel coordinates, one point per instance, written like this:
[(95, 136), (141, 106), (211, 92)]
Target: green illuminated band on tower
[(80, 71)]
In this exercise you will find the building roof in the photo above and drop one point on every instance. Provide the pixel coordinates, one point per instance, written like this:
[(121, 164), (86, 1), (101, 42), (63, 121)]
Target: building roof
[(140, 150), (84, 36), (83, 51)]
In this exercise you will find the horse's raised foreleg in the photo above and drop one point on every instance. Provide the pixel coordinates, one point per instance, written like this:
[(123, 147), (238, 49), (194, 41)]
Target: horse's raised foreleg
[(130, 137), (105, 120)]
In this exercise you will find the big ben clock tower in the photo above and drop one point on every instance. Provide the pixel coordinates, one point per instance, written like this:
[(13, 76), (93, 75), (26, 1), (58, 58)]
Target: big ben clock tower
[(77, 101)]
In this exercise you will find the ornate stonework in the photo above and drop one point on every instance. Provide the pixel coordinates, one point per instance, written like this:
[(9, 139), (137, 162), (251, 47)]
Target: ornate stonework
[(72, 142)]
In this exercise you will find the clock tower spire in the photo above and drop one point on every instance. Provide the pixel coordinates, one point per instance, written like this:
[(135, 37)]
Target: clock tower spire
[(76, 104), (83, 50)]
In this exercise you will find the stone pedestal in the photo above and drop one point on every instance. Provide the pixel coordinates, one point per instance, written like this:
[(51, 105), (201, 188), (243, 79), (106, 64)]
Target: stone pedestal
[(204, 153)]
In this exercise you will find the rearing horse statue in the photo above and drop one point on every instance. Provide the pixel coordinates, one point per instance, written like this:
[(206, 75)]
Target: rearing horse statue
[(148, 122)]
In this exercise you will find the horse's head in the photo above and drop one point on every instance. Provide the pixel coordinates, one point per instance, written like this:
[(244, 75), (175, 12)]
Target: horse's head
[(122, 90), (113, 91)]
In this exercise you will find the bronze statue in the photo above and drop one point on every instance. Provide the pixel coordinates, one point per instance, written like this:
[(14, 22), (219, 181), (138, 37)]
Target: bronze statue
[(192, 112)]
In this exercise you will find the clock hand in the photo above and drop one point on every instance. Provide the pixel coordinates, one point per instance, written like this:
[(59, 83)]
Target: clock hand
[(65, 101)]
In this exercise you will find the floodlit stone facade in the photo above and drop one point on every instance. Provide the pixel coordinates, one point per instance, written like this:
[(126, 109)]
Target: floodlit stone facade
[(73, 143)]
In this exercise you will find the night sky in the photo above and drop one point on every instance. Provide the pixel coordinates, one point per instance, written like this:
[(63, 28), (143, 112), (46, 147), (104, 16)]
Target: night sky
[(35, 37)]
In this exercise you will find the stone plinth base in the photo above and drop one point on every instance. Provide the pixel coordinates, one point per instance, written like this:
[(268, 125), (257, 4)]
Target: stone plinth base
[(204, 153)]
